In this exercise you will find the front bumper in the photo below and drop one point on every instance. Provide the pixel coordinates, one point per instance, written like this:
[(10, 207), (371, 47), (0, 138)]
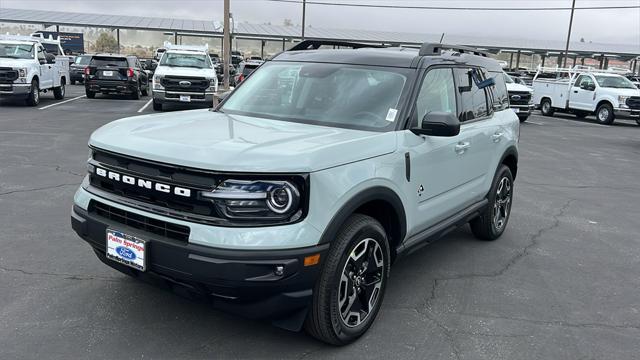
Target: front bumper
[(111, 86), (626, 112), (165, 96), (243, 282), (17, 90), (523, 110)]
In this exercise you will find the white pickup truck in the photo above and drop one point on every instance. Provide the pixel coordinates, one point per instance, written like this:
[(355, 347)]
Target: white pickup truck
[(185, 74), (26, 68), (585, 91)]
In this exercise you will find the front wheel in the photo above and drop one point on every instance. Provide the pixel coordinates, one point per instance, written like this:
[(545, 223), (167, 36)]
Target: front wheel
[(136, 93), (605, 114), (546, 108), (90, 94), (73, 82), (34, 94), (349, 292), (58, 92), (145, 90), (157, 106), (493, 220)]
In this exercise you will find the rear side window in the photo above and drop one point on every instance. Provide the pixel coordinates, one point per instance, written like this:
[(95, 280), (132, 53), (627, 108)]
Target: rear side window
[(437, 93), (109, 61), (473, 100), (83, 60), (52, 48), (500, 94)]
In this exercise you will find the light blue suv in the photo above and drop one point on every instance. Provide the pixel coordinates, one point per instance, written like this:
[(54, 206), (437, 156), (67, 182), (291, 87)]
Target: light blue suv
[(291, 199)]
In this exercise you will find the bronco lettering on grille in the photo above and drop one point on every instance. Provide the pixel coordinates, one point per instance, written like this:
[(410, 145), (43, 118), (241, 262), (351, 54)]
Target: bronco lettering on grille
[(142, 183)]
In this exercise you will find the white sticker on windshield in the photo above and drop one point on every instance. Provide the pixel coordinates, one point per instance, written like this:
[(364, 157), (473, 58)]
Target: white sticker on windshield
[(391, 115)]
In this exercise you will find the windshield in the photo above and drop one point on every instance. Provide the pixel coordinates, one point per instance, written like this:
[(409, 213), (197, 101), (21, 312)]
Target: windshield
[(351, 96), (199, 61), (83, 60), (16, 51), (617, 82)]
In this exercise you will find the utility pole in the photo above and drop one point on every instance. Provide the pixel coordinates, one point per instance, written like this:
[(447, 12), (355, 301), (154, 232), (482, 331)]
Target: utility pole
[(226, 56), (566, 49), (304, 13)]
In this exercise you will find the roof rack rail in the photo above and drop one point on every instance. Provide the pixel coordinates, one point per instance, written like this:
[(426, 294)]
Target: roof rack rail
[(315, 44), (434, 49)]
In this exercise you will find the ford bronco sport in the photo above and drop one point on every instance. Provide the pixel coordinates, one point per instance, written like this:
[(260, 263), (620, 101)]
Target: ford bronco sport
[(292, 198)]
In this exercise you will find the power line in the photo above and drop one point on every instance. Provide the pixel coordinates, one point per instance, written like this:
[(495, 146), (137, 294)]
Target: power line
[(618, 7)]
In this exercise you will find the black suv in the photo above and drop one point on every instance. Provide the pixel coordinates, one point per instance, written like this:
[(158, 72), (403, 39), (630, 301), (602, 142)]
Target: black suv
[(116, 74)]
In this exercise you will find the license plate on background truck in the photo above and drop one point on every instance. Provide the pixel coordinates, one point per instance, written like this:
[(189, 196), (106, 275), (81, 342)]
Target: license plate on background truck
[(185, 98), (126, 249), (516, 110)]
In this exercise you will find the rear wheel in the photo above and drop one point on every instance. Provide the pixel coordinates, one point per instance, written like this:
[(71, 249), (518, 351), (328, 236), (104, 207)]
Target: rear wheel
[(90, 94), (145, 90), (73, 82), (349, 292), (493, 220), (604, 114), (546, 108), (34, 94), (136, 93), (58, 92)]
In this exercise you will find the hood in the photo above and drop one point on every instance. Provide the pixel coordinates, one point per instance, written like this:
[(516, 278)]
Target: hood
[(518, 87), (184, 71), (16, 63), (624, 92), (215, 141)]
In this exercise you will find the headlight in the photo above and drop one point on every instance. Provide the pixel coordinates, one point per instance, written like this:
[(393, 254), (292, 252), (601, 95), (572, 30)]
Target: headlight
[(157, 79), (256, 200), (622, 100), (22, 72)]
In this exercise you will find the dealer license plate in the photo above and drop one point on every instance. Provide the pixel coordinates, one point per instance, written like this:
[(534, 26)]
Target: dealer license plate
[(185, 98), (126, 249), (107, 73), (516, 110)]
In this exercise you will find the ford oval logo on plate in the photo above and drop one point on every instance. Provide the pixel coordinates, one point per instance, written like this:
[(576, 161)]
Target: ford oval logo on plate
[(185, 83), (126, 253)]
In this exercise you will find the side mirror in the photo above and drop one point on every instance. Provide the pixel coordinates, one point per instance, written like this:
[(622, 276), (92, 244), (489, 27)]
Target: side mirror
[(438, 123), (42, 61), (588, 87)]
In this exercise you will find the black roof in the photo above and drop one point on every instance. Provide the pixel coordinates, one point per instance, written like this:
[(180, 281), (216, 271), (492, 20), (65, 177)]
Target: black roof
[(390, 57)]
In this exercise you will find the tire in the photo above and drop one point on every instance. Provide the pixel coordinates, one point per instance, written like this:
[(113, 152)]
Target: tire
[(90, 94), (157, 106), (523, 118), (638, 122), (58, 92), (34, 94), (73, 82), (137, 93), (326, 321), (604, 114), (546, 108), (145, 91), (493, 220)]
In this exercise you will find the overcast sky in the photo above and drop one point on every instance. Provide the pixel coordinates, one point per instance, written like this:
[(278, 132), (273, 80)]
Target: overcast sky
[(612, 26)]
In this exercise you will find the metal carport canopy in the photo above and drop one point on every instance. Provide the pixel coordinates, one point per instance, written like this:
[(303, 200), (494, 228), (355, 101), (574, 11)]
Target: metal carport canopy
[(277, 32)]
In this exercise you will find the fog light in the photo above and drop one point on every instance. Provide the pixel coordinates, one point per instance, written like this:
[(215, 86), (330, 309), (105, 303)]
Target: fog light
[(279, 270)]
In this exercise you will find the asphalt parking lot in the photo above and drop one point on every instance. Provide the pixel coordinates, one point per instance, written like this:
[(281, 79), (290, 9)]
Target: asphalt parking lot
[(562, 283)]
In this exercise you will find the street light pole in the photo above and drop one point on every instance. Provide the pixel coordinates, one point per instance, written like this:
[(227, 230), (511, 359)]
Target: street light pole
[(304, 10), (566, 49), (226, 56)]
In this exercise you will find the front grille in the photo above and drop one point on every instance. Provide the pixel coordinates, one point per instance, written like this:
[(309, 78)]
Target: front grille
[(172, 83), (8, 75), (519, 97), (633, 102), (158, 227)]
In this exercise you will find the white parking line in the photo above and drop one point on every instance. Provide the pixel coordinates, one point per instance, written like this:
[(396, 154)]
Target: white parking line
[(145, 106), (534, 123), (62, 102)]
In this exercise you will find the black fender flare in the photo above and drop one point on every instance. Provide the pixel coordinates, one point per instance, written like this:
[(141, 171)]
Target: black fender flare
[(370, 194), (511, 151)]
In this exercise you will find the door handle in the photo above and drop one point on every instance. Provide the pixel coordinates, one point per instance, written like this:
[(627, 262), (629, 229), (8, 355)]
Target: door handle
[(462, 147), (497, 136)]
